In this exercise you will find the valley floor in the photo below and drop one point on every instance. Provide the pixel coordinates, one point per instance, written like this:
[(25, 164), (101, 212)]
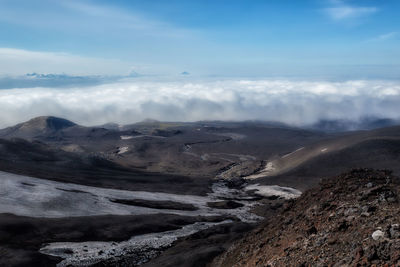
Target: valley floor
[(160, 218)]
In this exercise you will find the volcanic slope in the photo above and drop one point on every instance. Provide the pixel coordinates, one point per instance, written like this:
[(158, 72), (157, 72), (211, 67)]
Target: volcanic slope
[(202, 149), (41, 160), (349, 220), (39, 126), (305, 166)]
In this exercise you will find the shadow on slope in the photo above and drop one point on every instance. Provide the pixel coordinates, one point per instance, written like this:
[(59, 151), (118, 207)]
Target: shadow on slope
[(373, 153), (42, 161)]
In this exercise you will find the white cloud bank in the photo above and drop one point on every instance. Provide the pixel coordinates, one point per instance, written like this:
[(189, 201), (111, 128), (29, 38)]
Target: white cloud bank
[(294, 102)]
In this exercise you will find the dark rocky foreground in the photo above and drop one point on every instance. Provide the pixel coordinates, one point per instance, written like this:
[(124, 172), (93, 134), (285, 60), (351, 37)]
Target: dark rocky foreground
[(195, 250), (22, 237), (349, 220)]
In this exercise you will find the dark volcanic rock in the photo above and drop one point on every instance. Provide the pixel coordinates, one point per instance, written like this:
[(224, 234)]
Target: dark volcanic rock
[(166, 133), (226, 204), (350, 220), (22, 237), (236, 182), (155, 204)]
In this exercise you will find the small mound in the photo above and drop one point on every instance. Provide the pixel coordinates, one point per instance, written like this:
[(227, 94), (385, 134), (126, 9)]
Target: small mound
[(48, 122), (39, 126)]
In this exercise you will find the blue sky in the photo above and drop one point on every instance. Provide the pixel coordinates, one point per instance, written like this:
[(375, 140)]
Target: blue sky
[(290, 61), (310, 38)]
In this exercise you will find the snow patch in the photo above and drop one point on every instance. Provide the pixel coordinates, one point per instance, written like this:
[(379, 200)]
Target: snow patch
[(274, 190), (127, 137), (33, 197), (123, 150), (205, 157), (51, 199), (284, 156), (144, 247)]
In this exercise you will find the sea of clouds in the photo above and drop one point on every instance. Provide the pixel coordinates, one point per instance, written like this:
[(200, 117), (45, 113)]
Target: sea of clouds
[(130, 100)]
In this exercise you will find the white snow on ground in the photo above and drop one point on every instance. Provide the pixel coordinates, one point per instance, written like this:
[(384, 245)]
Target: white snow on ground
[(205, 157), (33, 197), (127, 137), (324, 150), (274, 190), (284, 156), (123, 150), (143, 247), (269, 167)]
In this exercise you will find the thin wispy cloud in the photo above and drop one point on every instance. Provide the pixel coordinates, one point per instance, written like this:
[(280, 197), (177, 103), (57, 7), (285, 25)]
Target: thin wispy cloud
[(19, 61), (117, 18), (390, 36), (87, 15), (91, 29), (340, 10), (387, 36)]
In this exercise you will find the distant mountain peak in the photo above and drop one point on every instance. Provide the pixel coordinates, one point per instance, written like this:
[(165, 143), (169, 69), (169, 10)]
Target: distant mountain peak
[(38, 126), (133, 74), (46, 76)]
